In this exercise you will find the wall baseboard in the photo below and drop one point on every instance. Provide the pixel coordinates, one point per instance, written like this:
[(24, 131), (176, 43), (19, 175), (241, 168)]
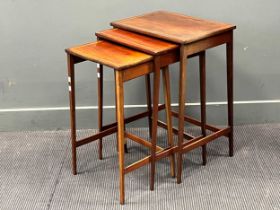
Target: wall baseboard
[(64, 108), (57, 118)]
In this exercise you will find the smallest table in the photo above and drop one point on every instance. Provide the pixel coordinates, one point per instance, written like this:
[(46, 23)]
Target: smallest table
[(128, 64)]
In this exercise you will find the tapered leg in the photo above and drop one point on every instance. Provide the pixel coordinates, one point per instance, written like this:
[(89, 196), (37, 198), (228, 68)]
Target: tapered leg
[(100, 105), (167, 98), (116, 108), (125, 142), (202, 74), (182, 92), (71, 81), (120, 120), (230, 92), (149, 102), (155, 119)]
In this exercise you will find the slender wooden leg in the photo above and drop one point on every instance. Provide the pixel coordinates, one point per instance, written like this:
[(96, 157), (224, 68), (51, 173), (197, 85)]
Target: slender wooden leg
[(116, 108), (155, 119), (120, 120), (71, 81), (203, 102), (149, 102), (100, 105), (230, 92), (167, 98), (125, 142), (182, 92)]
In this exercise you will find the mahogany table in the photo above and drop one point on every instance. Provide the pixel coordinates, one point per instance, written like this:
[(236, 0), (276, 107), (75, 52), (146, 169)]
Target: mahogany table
[(193, 35), (128, 64)]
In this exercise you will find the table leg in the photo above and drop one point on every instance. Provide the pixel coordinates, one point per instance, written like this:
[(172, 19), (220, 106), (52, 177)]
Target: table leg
[(167, 98), (149, 102), (203, 102), (182, 92), (229, 48), (125, 141), (120, 120), (100, 105), (155, 119), (71, 81)]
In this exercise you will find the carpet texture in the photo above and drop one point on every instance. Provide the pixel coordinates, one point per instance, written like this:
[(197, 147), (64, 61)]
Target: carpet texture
[(35, 173)]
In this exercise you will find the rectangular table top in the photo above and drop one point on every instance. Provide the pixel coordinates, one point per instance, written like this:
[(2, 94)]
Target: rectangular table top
[(137, 41), (173, 27), (109, 54)]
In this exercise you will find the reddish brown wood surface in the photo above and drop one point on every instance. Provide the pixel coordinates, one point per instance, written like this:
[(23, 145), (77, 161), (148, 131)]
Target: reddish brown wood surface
[(109, 54), (140, 42), (173, 26)]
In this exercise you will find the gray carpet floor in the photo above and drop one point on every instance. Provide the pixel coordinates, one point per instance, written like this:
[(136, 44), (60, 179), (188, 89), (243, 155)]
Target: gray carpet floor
[(35, 173)]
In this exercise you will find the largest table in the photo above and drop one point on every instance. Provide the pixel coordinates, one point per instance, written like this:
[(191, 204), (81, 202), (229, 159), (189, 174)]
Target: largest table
[(193, 35)]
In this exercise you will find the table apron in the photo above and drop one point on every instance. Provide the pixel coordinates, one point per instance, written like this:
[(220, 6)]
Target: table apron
[(207, 43)]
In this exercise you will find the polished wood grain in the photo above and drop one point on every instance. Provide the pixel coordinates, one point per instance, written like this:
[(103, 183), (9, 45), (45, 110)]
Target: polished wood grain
[(109, 54), (172, 26), (139, 42)]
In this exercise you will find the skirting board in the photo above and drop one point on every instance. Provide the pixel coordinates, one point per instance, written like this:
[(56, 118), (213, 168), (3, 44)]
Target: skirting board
[(32, 109), (57, 118)]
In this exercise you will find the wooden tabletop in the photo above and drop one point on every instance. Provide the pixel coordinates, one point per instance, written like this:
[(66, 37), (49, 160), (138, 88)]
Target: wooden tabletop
[(173, 27), (109, 54), (136, 41)]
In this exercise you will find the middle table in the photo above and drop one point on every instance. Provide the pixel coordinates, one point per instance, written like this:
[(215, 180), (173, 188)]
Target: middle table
[(166, 53)]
